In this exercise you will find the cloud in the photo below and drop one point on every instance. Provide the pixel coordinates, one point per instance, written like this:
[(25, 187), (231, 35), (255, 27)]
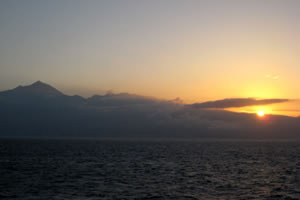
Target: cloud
[(236, 102), (270, 76)]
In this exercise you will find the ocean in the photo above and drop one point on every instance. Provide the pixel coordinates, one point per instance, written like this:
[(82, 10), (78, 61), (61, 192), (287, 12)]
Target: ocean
[(148, 169)]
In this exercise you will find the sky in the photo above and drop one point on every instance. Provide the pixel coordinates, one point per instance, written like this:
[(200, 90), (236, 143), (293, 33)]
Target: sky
[(196, 50)]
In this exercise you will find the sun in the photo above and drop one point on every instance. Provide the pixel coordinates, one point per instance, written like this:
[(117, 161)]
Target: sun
[(260, 113)]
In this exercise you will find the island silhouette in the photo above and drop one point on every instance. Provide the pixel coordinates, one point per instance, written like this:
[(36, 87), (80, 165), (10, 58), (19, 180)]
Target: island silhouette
[(40, 110)]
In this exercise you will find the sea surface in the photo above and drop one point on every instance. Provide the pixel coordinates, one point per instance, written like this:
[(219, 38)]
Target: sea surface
[(145, 169)]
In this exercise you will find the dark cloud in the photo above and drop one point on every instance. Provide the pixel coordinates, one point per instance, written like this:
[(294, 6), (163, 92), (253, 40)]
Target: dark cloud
[(236, 102)]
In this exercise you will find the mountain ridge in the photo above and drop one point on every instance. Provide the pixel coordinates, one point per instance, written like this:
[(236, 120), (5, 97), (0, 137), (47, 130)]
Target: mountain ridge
[(40, 110), (40, 90), (36, 88)]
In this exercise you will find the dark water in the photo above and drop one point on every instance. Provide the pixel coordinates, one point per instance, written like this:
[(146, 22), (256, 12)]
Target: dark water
[(89, 169)]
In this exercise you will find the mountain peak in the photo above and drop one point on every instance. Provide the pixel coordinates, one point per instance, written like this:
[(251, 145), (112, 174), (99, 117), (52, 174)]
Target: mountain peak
[(38, 83), (39, 88)]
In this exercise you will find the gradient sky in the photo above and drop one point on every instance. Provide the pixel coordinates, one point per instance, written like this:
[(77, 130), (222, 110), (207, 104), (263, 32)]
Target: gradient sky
[(195, 50)]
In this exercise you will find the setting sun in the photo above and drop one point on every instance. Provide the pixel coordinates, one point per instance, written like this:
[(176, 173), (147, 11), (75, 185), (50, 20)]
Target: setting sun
[(261, 113)]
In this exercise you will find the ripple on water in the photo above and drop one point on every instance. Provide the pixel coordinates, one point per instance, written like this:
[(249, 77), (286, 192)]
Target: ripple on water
[(74, 169)]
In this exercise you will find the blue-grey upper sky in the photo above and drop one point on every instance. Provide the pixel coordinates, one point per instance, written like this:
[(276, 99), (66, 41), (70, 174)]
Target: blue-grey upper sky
[(197, 50)]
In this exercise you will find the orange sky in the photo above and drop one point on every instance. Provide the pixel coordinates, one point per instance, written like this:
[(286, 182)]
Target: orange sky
[(198, 51)]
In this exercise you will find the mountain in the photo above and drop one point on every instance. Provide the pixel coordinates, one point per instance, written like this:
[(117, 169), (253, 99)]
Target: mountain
[(40, 110), (119, 99), (37, 93), (36, 89)]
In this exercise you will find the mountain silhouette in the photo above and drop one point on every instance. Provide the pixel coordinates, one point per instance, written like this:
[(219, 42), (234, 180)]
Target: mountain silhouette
[(38, 93), (119, 99), (36, 89), (40, 110)]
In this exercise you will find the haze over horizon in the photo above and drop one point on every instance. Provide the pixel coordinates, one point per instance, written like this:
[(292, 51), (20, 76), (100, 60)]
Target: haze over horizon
[(198, 51)]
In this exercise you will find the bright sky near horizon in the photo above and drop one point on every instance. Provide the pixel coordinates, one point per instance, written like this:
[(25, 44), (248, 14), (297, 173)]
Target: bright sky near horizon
[(195, 50)]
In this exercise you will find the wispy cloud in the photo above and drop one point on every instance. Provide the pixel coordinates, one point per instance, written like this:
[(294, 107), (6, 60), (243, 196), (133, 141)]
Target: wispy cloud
[(270, 76)]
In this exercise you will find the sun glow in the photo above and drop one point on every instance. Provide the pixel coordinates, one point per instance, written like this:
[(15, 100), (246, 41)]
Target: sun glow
[(260, 113)]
